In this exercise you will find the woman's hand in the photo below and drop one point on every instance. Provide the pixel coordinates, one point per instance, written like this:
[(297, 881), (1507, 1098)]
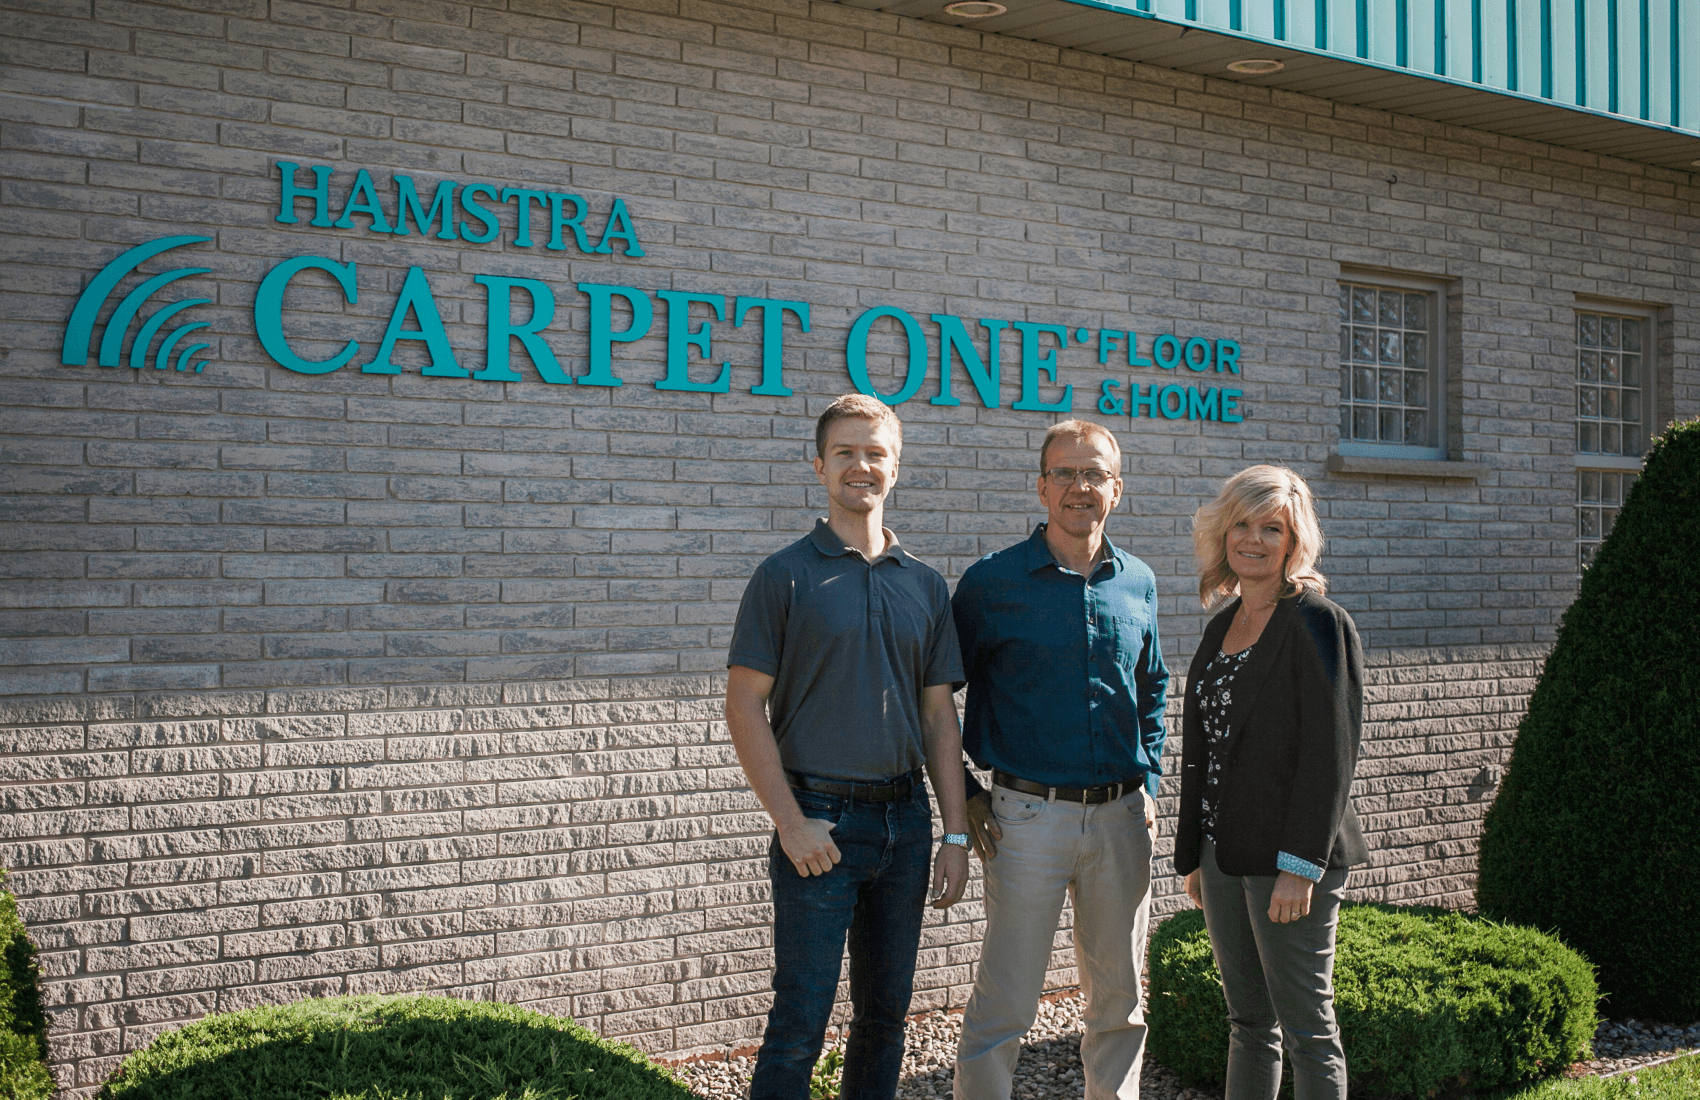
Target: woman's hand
[(1291, 899), (1192, 890)]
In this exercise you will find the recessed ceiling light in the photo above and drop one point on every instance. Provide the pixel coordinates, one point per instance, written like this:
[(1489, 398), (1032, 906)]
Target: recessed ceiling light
[(1257, 66), (975, 9)]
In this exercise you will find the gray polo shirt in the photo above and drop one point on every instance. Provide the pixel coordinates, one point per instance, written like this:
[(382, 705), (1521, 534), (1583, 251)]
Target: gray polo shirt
[(849, 644)]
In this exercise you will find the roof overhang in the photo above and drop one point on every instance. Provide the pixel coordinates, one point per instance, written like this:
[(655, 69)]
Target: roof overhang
[(1105, 28)]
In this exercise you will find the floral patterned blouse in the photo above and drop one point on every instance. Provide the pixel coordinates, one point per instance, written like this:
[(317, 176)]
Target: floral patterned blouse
[(1215, 691)]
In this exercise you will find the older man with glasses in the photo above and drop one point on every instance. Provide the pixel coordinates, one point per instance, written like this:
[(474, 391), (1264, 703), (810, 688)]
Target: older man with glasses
[(1066, 684)]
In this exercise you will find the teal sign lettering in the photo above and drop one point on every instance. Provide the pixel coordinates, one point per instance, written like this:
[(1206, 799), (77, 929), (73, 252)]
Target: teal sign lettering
[(559, 221)]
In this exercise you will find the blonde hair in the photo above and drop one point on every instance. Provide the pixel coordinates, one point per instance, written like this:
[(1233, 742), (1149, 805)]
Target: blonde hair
[(1252, 493), (1080, 431), (859, 406)]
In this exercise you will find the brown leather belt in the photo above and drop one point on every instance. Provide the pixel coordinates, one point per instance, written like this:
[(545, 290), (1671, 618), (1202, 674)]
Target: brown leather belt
[(1091, 796), (886, 791)]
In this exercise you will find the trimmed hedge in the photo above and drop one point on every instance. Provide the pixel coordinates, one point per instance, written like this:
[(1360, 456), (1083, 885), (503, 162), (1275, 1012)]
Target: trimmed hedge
[(1427, 999), (23, 1029), (1595, 832), (389, 1048)]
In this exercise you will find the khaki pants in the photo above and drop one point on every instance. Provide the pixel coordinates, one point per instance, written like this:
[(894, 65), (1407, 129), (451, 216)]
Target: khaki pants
[(1100, 856)]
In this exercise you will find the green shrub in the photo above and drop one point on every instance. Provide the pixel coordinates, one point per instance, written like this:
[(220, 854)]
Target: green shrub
[(1426, 999), (1595, 832), (23, 1029), (389, 1048)]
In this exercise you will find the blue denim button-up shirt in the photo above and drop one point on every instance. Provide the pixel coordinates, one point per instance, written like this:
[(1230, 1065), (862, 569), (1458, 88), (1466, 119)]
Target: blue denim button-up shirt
[(1066, 679)]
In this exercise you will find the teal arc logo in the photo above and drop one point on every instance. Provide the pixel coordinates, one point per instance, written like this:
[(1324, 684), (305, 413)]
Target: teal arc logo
[(79, 331)]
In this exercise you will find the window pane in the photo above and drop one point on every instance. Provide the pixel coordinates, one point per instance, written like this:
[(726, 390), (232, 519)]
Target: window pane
[(1631, 334), (1610, 441), (1590, 368), (1632, 406), (1608, 332), (1608, 403), (1588, 484), (1588, 523), (1387, 328), (1588, 330), (1631, 370), (1608, 367), (1588, 438), (1587, 401), (1363, 345), (1608, 488)]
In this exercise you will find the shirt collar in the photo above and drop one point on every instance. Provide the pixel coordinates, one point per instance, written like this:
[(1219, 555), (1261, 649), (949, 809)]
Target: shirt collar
[(826, 540), (1039, 553)]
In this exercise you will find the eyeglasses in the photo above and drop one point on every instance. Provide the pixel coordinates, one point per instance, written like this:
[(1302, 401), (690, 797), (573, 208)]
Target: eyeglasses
[(1062, 477)]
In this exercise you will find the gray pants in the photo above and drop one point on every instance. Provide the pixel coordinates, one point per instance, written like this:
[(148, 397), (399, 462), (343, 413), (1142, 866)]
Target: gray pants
[(1101, 857), (1279, 983)]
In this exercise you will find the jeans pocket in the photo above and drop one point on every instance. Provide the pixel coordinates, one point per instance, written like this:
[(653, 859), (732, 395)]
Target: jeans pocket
[(1013, 809), (824, 807)]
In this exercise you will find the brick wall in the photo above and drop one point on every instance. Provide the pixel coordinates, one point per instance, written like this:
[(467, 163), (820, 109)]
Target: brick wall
[(361, 682)]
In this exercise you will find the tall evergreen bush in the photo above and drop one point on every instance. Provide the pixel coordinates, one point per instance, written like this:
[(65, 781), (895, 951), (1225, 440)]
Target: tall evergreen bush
[(23, 1028), (1595, 833)]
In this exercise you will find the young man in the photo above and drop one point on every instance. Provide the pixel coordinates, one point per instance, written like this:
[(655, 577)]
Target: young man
[(1065, 705), (842, 665)]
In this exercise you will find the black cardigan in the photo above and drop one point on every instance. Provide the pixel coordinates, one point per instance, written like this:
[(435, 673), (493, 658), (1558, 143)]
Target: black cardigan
[(1295, 721)]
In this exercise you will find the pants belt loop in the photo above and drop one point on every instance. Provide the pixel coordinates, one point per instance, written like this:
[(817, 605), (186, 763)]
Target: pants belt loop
[(1050, 794)]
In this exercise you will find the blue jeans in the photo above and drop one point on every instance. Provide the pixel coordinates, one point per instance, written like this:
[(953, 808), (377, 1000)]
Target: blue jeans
[(875, 896)]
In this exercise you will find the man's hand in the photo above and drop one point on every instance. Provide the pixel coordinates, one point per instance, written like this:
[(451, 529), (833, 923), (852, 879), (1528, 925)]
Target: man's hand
[(950, 875), (983, 827), (1150, 813), (1291, 899), (1193, 890), (809, 846)]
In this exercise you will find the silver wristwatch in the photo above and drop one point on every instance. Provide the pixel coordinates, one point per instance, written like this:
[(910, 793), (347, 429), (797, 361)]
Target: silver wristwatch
[(958, 839)]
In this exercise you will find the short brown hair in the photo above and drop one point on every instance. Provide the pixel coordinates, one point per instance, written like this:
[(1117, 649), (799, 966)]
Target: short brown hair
[(1079, 431), (856, 405)]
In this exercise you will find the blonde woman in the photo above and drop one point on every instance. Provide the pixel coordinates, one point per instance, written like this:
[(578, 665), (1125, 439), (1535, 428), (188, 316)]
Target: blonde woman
[(1274, 707)]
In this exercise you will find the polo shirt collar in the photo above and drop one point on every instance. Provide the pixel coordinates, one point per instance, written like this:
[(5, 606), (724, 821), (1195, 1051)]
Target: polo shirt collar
[(1039, 552), (826, 540)]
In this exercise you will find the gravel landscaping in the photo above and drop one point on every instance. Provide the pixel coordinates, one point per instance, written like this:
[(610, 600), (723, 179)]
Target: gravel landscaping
[(1050, 1058), (1622, 1045)]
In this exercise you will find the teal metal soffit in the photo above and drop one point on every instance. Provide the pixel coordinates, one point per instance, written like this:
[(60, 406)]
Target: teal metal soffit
[(1636, 59), (1619, 78)]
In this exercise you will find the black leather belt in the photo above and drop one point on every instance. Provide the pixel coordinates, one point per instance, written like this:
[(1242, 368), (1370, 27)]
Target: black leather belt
[(885, 791), (1091, 796)]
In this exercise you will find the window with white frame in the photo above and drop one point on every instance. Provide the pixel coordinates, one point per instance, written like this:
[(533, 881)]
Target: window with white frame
[(1614, 372), (1392, 374)]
